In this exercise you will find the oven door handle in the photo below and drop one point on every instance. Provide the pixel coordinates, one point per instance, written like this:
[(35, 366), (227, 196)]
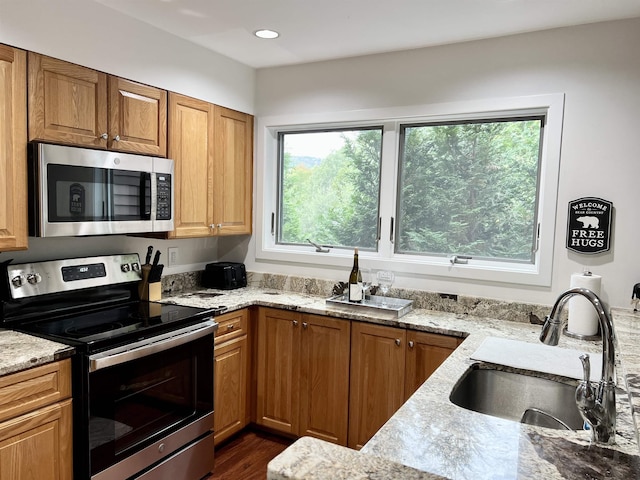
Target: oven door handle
[(150, 346)]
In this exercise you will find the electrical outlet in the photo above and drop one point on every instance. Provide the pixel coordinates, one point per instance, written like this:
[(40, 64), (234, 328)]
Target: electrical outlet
[(173, 256)]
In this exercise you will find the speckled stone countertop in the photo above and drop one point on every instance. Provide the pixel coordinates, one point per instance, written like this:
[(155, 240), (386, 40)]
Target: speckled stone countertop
[(430, 437), (19, 351)]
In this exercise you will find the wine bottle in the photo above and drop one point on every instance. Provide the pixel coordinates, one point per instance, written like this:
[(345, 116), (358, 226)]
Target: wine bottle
[(355, 280)]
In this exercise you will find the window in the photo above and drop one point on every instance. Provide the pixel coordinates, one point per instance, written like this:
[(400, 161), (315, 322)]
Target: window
[(329, 187), (413, 187), (470, 188)]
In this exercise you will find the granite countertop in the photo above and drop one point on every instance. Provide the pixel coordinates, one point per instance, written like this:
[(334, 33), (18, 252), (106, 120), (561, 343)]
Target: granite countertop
[(19, 351), (430, 437)]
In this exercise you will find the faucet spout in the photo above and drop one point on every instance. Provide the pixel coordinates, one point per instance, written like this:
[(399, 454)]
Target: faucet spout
[(602, 414)]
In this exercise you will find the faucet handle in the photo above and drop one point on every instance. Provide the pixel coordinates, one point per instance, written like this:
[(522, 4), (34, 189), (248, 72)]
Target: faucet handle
[(586, 367), (586, 395)]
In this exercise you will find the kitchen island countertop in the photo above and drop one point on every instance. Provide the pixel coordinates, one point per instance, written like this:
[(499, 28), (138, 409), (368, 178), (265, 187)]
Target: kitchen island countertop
[(430, 437)]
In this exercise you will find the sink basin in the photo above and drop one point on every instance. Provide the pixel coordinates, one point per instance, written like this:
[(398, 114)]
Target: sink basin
[(519, 397)]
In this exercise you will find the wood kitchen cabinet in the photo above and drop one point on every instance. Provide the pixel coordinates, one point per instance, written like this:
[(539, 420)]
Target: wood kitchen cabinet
[(35, 423), (212, 148), (388, 364), (425, 353), (76, 105), (233, 172), (13, 153), (137, 118), (303, 374), (191, 124), (231, 369), (377, 378)]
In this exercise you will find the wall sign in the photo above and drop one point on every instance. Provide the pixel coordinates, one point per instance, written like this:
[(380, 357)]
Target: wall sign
[(589, 225)]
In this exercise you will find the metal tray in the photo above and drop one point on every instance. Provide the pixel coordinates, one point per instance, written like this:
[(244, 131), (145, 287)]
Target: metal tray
[(373, 304)]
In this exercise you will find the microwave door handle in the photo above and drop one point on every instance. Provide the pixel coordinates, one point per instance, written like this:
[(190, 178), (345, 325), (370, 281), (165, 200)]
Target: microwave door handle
[(146, 179)]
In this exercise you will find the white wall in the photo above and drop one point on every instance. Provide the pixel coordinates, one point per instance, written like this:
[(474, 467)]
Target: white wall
[(89, 34), (596, 66)]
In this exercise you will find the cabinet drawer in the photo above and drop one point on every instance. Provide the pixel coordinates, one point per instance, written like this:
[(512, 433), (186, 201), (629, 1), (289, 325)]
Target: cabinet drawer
[(31, 389), (231, 325)]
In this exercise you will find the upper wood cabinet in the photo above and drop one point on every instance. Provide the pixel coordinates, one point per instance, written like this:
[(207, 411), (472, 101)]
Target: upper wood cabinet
[(191, 147), (77, 105), (67, 102), (13, 153), (233, 171), (212, 148), (137, 118)]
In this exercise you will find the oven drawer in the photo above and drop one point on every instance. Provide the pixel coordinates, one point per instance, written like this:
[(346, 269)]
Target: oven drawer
[(28, 390), (231, 325)]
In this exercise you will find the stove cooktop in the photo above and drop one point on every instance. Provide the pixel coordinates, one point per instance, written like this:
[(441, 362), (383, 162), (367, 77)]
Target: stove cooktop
[(117, 325)]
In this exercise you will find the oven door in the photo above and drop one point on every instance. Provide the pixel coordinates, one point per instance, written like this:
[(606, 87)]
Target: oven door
[(149, 400)]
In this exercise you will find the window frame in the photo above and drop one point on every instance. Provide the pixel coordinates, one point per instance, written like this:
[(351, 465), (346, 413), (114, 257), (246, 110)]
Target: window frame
[(408, 265)]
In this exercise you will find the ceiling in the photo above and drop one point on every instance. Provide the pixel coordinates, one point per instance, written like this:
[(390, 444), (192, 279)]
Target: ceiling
[(314, 30)]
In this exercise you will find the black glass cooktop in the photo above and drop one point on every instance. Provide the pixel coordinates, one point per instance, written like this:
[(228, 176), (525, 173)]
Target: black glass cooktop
[(112, 325)]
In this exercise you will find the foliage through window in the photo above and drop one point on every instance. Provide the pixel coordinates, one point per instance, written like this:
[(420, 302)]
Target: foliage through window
[(470, 188), (329, 187)]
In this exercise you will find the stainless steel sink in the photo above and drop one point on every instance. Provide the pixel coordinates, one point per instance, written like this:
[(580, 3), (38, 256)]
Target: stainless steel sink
[(519, 397)]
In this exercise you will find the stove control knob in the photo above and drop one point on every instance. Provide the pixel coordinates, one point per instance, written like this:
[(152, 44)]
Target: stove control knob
[(17, 281), (135, 266), (34, 278), (125, 267)]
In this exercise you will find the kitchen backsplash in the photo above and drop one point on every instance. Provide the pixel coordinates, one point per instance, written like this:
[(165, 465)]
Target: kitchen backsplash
[(461, 304)]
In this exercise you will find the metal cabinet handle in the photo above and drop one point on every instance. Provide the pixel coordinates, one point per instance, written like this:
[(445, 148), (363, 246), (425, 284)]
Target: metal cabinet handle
[(230, 327), (411, 344), (117, 138), (304, 325), (398, 341), (104, 136), (295, 323)]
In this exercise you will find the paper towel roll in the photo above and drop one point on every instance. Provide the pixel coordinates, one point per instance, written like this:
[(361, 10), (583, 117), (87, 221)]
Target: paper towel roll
[(583, 319)]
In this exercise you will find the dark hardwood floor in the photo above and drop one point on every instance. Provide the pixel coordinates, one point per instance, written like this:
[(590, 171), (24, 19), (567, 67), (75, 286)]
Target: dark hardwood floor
[(245, 456)]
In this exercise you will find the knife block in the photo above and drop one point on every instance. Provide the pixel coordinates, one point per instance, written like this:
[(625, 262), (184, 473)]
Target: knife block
[(152, 292)]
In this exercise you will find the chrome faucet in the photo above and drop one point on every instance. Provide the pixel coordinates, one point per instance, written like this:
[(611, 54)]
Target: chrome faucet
[(597, 405)]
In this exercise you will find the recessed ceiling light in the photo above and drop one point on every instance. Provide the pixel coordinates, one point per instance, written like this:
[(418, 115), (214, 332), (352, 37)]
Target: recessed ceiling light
[(266, 34)]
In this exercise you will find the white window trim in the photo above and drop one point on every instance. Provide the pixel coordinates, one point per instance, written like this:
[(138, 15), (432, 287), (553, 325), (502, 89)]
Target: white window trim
[(537, 274)]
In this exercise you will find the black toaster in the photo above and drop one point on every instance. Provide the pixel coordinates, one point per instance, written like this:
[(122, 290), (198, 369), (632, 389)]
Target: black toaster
[(224, 275)]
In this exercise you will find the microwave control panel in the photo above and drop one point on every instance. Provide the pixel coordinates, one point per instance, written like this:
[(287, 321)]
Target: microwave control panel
[(163, 197)]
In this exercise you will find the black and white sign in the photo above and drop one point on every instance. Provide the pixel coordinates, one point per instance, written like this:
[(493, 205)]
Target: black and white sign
[(589, 225)]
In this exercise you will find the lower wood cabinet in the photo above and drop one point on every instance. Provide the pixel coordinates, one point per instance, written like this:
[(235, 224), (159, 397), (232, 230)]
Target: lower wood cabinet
[(302, 374), (388, 365), (231, 365), (36, 424)]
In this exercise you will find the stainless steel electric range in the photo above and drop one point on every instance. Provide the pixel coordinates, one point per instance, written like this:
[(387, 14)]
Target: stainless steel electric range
[(142, 372)]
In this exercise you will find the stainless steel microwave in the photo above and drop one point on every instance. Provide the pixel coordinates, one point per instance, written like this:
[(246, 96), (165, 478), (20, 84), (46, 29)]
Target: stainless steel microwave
[(77, 191)]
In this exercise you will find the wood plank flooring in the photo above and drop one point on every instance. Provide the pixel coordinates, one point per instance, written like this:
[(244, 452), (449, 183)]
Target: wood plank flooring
[(245, 457)]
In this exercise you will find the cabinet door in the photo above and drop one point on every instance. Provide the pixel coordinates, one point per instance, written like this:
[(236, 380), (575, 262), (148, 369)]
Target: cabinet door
[(67, 103), (13, 153), (233, 177), (191, 125), (230, 388), (277, 369), (425, 353), (377, 378), (38, 445), (324, 378), (137, 118)]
